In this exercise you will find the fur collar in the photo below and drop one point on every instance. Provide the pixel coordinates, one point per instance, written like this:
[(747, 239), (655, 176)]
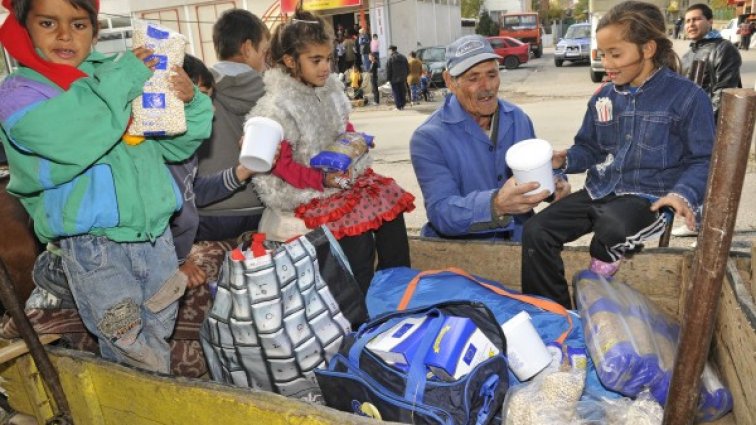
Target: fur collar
[(312, 118)]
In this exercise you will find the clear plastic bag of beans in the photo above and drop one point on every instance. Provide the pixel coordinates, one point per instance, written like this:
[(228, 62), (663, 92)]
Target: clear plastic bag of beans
[(158, 111), (550, 398)]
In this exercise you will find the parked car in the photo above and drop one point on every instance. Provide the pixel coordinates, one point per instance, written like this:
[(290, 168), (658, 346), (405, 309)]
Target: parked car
[(513, 52), (435, 59), (575, 46), (730, 32), (597, 67)]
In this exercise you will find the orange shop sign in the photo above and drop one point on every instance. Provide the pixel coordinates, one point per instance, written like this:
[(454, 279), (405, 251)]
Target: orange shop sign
[(288, 6)]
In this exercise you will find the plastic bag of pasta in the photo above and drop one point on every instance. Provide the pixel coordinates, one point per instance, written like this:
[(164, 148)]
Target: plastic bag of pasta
[(633, 344), (343, 152), (158, 111)]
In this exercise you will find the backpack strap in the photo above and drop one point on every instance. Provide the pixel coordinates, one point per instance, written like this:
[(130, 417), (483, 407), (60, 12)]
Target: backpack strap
[(541, 303)]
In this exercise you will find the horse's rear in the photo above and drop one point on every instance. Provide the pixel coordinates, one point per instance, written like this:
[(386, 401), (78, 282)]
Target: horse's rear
[(18, 246)]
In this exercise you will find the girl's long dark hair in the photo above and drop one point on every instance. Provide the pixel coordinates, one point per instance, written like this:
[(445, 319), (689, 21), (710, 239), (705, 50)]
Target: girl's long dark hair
[(293, 37), (643, 22)]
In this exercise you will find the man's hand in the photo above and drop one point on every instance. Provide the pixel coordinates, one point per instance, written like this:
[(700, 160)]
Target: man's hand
[(562, 188), (558, 159), (195, 276), (511, 198), (680, 206)]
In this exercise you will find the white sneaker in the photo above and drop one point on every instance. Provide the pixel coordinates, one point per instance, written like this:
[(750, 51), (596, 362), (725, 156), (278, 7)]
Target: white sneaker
[(683, 231)]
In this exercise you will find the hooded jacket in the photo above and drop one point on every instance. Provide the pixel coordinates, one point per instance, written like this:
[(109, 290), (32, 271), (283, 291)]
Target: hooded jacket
[(233, 97), (312, 118), (70, 167), (722, 66)]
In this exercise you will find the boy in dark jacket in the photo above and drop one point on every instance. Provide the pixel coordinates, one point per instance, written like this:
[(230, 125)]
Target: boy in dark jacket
[(241, 43)]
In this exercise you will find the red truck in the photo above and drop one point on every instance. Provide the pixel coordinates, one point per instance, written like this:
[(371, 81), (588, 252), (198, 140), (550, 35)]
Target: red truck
[(524, 26)]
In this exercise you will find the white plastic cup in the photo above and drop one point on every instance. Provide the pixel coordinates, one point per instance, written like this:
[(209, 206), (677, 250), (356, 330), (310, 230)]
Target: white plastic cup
[(261, 138), (530, 161), (526, 352)]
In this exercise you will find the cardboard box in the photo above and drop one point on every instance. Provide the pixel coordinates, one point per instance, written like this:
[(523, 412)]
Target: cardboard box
[(398, 344), (459, 347)]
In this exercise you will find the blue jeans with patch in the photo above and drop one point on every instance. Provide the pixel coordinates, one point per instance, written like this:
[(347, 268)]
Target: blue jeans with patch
[(111, 282)]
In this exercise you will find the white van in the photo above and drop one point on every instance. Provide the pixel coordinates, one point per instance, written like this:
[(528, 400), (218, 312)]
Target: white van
[(597, 68), (730, 32)]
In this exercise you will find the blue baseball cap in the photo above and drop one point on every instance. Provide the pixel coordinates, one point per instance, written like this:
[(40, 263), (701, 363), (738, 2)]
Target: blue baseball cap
[(466, 52)]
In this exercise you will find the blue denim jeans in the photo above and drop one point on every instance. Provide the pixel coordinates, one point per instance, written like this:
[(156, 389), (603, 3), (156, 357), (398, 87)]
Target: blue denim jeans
[(415, 92), (111, 282)]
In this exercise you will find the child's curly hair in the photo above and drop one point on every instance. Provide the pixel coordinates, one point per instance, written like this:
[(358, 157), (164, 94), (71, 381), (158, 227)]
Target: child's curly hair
[(293, 37)]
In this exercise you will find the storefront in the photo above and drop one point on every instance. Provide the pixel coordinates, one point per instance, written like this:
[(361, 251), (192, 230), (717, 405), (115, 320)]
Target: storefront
[(408, 24)]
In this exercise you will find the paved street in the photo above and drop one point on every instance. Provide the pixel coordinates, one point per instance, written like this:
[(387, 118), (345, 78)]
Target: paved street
[(555, 99)]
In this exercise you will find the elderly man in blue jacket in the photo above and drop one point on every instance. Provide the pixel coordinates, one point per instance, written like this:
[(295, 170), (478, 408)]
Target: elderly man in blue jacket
[(458, 153)]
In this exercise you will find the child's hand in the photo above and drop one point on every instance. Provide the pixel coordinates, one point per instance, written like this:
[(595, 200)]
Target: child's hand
[(243, 173), (143, 53), (278, 153), (338, 180), (558, 158), (680, 206), (181, 84), (195, 275), (562, 188)]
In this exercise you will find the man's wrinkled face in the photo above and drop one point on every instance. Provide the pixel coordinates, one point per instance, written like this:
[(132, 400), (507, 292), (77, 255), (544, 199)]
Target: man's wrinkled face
[(477, 89)]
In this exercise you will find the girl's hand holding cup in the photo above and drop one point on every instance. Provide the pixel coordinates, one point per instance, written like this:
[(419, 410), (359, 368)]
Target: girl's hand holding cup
[(558, 159)]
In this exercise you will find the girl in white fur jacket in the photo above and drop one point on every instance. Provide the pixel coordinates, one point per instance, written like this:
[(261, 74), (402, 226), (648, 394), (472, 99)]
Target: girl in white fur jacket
[(309, 103)]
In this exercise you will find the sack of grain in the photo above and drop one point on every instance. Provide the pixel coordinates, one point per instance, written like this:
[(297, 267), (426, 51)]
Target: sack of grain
[(158, 111)]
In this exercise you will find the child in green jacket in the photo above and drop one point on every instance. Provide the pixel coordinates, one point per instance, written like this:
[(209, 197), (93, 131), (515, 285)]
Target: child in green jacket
[(63, 114)]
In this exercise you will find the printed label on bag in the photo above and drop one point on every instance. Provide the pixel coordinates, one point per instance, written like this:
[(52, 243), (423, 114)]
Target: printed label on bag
[(162, 63), (153, 100), (153, 32)]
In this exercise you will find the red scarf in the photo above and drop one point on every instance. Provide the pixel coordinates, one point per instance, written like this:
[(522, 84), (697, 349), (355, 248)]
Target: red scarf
[(16, 40)]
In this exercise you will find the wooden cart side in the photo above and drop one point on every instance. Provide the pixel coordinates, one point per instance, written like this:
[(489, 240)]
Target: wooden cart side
[(102, 392), (658, 273), (734, 346)]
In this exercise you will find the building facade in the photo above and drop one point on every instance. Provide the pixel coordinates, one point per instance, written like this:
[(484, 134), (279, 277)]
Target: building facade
[(408, 24)]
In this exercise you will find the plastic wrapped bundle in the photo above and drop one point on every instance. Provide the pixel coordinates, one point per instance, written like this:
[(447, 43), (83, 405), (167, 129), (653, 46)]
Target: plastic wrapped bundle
[(158, 111), (551, 398), (343, 152), (624, 411), (633, 344)]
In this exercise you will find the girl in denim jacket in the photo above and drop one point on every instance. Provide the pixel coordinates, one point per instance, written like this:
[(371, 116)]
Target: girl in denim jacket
[(645, 141)]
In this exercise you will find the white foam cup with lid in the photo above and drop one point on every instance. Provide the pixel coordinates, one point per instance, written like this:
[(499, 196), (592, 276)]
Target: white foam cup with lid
[(526, 352), (530, 161), (261, 138)]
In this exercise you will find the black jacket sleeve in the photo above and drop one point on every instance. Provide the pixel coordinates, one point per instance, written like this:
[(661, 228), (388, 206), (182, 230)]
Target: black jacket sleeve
[(725, 71)]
